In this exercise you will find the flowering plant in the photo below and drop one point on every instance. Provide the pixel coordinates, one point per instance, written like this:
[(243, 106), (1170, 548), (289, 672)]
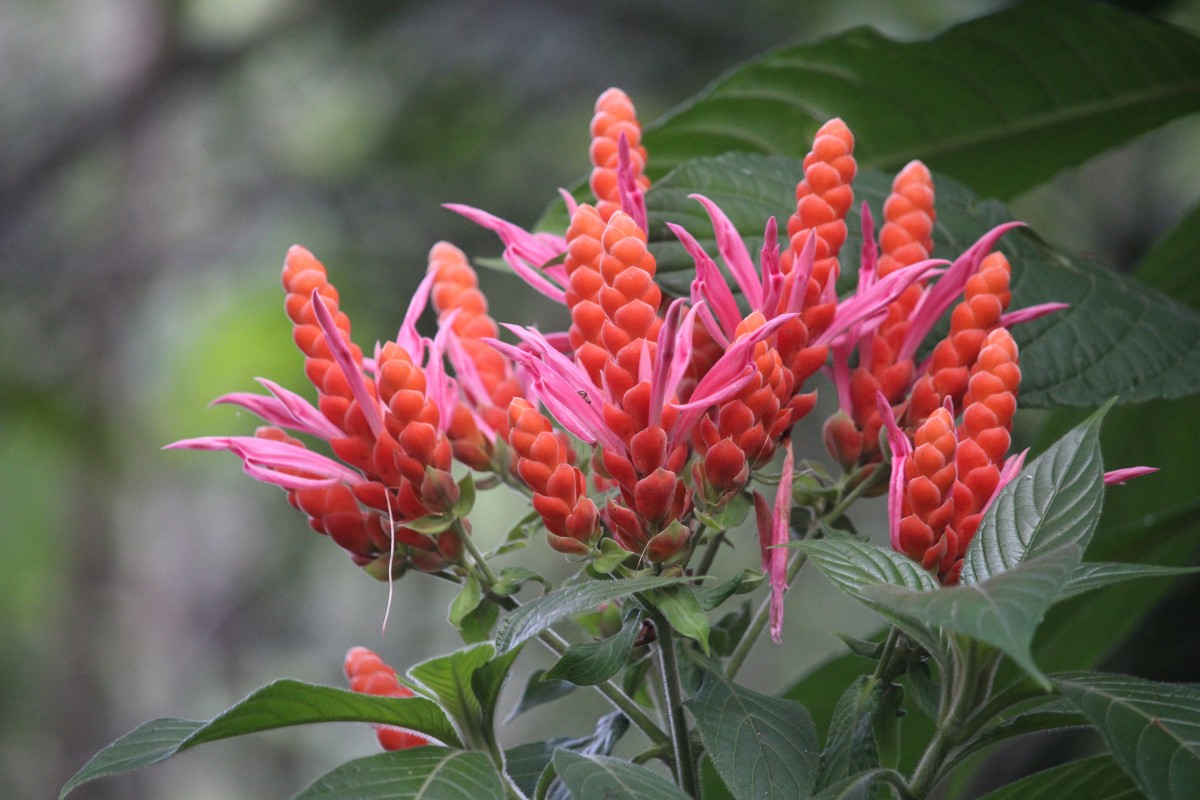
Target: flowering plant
[(665, 416)]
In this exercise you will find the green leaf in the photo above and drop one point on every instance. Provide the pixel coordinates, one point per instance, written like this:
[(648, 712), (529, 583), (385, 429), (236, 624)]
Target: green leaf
[(1054, 714), (448, 678), (763, 747), (745, 581), (430, 524), (1118, 337), (612, 555), (851, 747), (466, 497), (1152, 728), (729, 514), (603, 778), (1053, 502), (682, 610), (1003, 610), (996, 102), (511, 579), (420, 773), (1088, 577), (538, 692), (527, 762), (466, 601), (486, 683), (477, 626), (590, 663), (1095, 778), (854, 566), (277, 705), (539, 614)]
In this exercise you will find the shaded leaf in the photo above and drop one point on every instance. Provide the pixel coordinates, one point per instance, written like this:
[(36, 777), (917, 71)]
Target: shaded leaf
[(527, 762), (602, 778), (1152, 728), (745, 581), (1009, 108), (467, 600), (762, 746), (1095, 778), (682, 610), (1088, 577), (420, 773), (1170, 265), (851, 746), (542, 612), (860, 786), (1054, 501), (590, 663), (277, 705)]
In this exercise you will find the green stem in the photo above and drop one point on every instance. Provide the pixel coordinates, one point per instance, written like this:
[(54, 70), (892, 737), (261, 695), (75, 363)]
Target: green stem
[(611, 691), (956, 708), (681, 746), (468, 541), (710, 552)]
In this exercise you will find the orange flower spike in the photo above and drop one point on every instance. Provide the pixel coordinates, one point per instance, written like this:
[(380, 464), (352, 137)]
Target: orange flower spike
[(584, 282), (559, 488), (615, 115), (990, 402), (822, 200), (929, 491), (629, 299), (368, 674), (985, 299)]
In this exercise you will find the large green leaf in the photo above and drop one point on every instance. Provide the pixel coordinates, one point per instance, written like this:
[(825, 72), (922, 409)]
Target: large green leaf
[(537, 692), (421, 773), (1000, 102), (278, 705), (602, 778), (763, 747), (1095, 778), (1119, 338), (542, 612), (1152, 728), (590, 663), (1171, 265), (862, 786), (1003, 610), (1054, 501), (449, 679)]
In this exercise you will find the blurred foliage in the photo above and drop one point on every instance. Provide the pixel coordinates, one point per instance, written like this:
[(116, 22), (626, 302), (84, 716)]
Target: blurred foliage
[(159, 158)]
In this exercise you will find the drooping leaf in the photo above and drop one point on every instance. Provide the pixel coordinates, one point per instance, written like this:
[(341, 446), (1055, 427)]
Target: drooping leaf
[(511, 579), (527, 762), (537, 692), (861, 786), (1054, 714), (603, 778), (1054, 501), (420, 773), (851, 747), (1095, 778), (1118, 338), (1003, 610), (467, 600), (763, 747), (449, 678), (277, 705), (542, 612), (590, 663), (1088, 577), (996, 102), (1151, 728), (486, 683), (745, 581)]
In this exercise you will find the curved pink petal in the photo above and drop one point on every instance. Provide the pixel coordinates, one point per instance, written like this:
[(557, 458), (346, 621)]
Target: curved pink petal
[(777, 567), (1117, 477), (633, 199), (901, 448), (345, 361), (1031, 313), (733, 251)]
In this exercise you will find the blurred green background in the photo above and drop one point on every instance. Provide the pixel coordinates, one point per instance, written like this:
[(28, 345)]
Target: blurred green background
[(158, 158)]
